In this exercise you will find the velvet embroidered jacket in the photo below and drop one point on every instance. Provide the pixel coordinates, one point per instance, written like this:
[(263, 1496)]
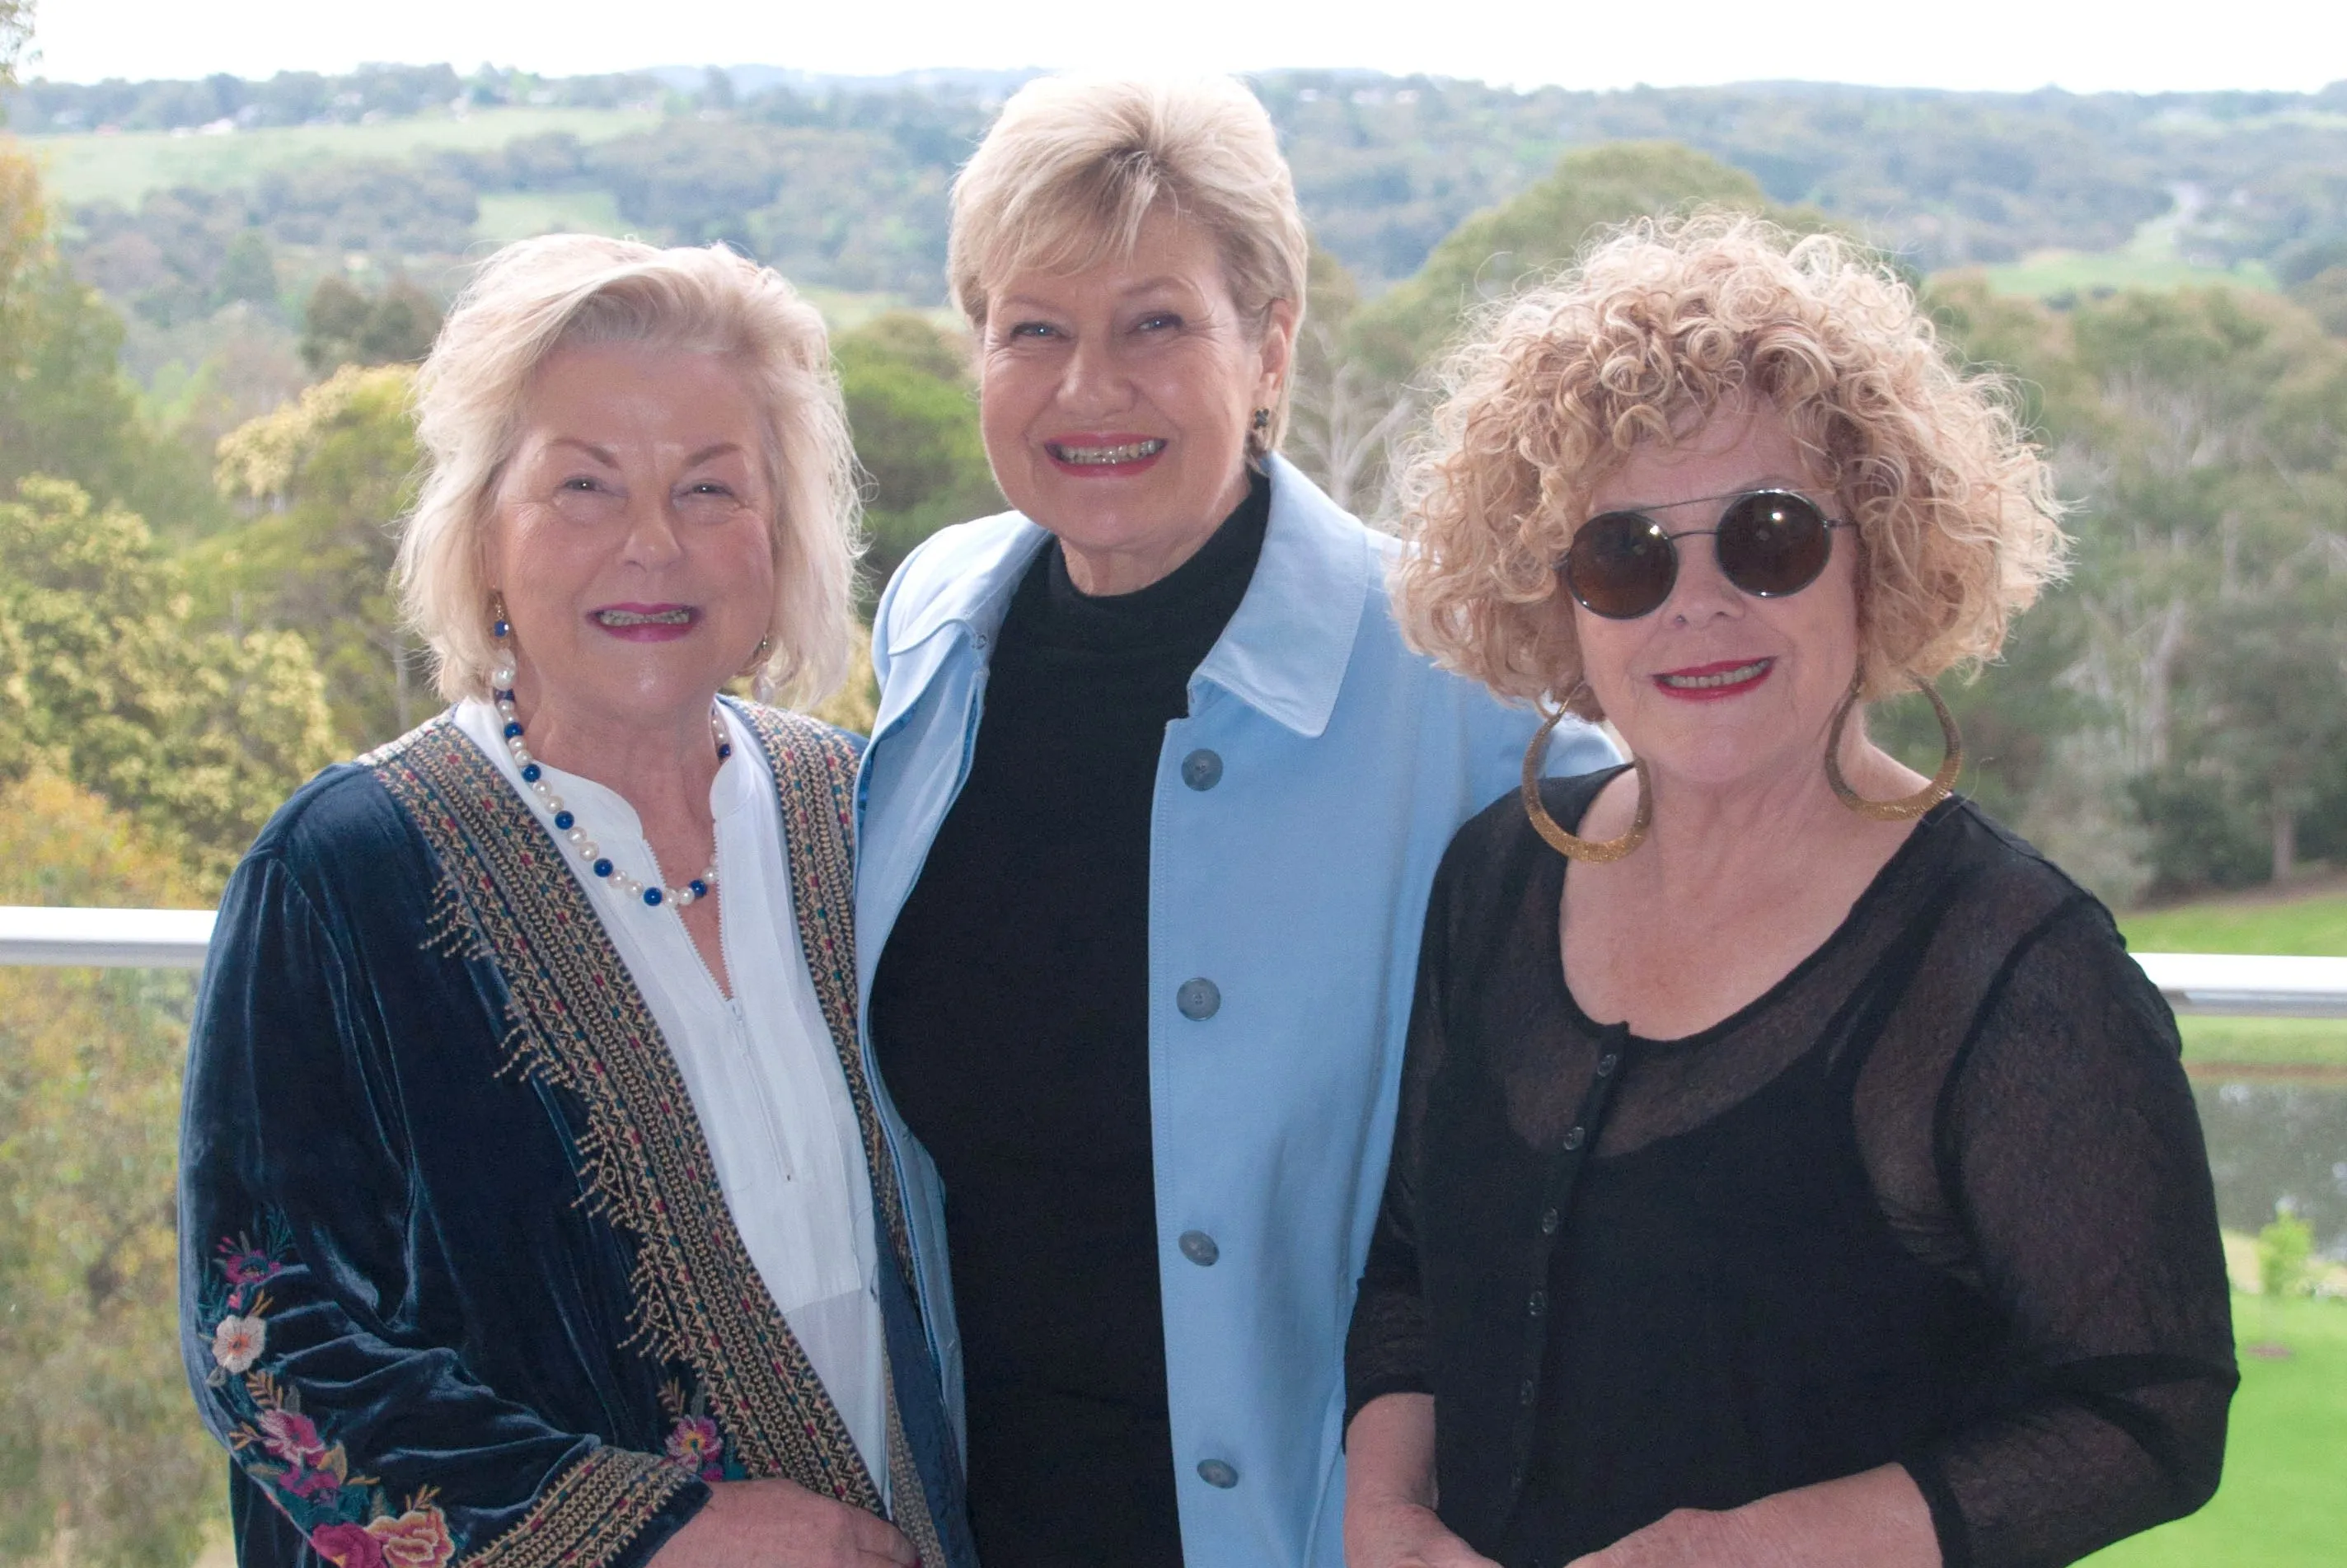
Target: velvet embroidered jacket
[(457, 1282)]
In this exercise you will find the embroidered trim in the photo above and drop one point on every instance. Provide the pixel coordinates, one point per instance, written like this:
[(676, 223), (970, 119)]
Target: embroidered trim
[(582, 1027), (911, 1512), (590, 1514), (814, 778)]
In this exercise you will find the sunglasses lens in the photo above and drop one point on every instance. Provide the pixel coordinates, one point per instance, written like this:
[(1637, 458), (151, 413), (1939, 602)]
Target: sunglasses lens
[(1773, 543), (1621, 565)]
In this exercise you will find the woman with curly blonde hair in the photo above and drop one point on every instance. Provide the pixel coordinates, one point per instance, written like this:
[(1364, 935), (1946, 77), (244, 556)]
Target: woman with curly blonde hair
[(1791, 1166)]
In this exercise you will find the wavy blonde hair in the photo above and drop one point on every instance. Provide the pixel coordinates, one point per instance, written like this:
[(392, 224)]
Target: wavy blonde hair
[(537, 297), (1075, 165), (1659, 326)]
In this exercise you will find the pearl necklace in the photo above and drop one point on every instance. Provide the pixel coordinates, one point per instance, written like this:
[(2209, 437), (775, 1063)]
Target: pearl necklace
[(566, 822)]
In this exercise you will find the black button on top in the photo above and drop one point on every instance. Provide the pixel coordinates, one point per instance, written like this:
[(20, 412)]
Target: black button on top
[(1199, 999), (1573, 1138), (1202, 769), (1215, 1472), (1608, 1062)]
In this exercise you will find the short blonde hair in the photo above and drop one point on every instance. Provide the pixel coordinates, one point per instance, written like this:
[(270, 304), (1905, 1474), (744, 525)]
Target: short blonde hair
[(538, 297), (1075, 165), (1656, 328)]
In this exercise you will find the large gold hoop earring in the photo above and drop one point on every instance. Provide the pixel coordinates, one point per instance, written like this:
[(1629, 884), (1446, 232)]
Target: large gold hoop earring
[(1594, 851), (1906, 808)]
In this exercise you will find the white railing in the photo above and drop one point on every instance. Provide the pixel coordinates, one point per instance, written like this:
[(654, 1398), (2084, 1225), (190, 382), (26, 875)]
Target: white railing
[(2237, 985), (105, 939)]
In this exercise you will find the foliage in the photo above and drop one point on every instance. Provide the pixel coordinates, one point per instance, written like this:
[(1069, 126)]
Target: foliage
[(368, 96), (329, 476), (913, 411), (2203, 436), (1537, 232), (842, 183), (98, 1445), (344, 326), (16, 37), (2285, 1248), (64, 409), (196, 733), (1363, 368)]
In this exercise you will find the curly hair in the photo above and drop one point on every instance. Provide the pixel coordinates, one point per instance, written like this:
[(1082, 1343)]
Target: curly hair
[(1660, 325)]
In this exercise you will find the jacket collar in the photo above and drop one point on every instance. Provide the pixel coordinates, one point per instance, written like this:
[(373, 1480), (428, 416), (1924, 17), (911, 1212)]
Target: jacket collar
[(1285, 649)]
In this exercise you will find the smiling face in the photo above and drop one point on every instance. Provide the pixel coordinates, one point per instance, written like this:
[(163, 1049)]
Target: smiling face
[(631, 535), (1115, 402), (1717, 686)]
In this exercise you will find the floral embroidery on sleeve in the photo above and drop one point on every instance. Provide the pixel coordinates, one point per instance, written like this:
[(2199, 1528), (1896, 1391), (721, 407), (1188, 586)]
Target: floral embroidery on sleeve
[(349, 1519)]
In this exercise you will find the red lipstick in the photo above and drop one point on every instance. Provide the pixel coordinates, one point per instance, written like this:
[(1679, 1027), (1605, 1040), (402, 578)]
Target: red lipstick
[(1714, 682)]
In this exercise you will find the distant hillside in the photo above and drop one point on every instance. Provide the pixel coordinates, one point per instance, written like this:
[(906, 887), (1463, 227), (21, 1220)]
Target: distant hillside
[(842, 183)]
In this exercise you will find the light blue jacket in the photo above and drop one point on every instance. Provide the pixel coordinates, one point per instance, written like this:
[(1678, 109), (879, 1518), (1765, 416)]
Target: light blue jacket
[(1299, 813)]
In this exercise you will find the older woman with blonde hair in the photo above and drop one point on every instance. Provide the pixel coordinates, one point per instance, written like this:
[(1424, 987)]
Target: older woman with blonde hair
[(1792, 1166), (1150, 809), (529, 1205)]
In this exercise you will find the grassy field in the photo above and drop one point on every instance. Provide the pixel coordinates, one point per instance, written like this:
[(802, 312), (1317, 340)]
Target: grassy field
[(2282, 1504), (2314, 924), (89, 166), (523, 214), (2148, 261)]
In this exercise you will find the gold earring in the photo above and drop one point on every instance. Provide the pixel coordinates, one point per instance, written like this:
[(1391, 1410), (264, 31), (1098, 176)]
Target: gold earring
[(1595, 851), (1907, 808)]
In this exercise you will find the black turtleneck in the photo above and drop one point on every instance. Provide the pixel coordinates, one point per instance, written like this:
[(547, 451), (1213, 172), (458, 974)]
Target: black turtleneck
[(1010, 1014)]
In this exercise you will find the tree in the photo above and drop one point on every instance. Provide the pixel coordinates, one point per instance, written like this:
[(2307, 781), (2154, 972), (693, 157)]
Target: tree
[(343, 327), (196, 733), (100, 1459), (16, 37), (329, 476), (65, 410), (1344, 418), (247, 272), (1537, 230), (913, 411), (2201, 435)]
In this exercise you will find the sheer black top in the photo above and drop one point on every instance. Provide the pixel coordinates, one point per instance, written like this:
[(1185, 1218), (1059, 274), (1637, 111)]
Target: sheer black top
[(1938, 1198)]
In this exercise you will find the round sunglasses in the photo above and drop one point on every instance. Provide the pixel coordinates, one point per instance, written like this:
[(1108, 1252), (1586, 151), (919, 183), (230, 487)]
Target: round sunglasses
[(1769, 543)]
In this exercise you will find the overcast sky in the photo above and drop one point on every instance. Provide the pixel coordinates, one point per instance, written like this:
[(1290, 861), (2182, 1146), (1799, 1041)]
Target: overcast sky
[(2016, 45)]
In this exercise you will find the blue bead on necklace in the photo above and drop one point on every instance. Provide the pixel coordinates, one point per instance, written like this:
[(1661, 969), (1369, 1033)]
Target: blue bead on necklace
[(566, 821)]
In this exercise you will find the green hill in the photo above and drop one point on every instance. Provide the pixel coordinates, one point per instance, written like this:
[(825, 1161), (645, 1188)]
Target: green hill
[(124, 166)]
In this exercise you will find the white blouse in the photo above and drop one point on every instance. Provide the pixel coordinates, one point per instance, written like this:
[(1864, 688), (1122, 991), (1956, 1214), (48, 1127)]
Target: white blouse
[(761, 1069)]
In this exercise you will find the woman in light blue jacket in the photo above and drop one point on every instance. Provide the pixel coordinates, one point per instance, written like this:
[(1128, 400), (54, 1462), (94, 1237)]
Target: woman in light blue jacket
[(1151, 808)]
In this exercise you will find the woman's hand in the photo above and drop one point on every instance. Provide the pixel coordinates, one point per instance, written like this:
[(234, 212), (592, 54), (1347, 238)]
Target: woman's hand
[(780, 1524), (1874, 1519), (1403, 1535), (1389, 1520)]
